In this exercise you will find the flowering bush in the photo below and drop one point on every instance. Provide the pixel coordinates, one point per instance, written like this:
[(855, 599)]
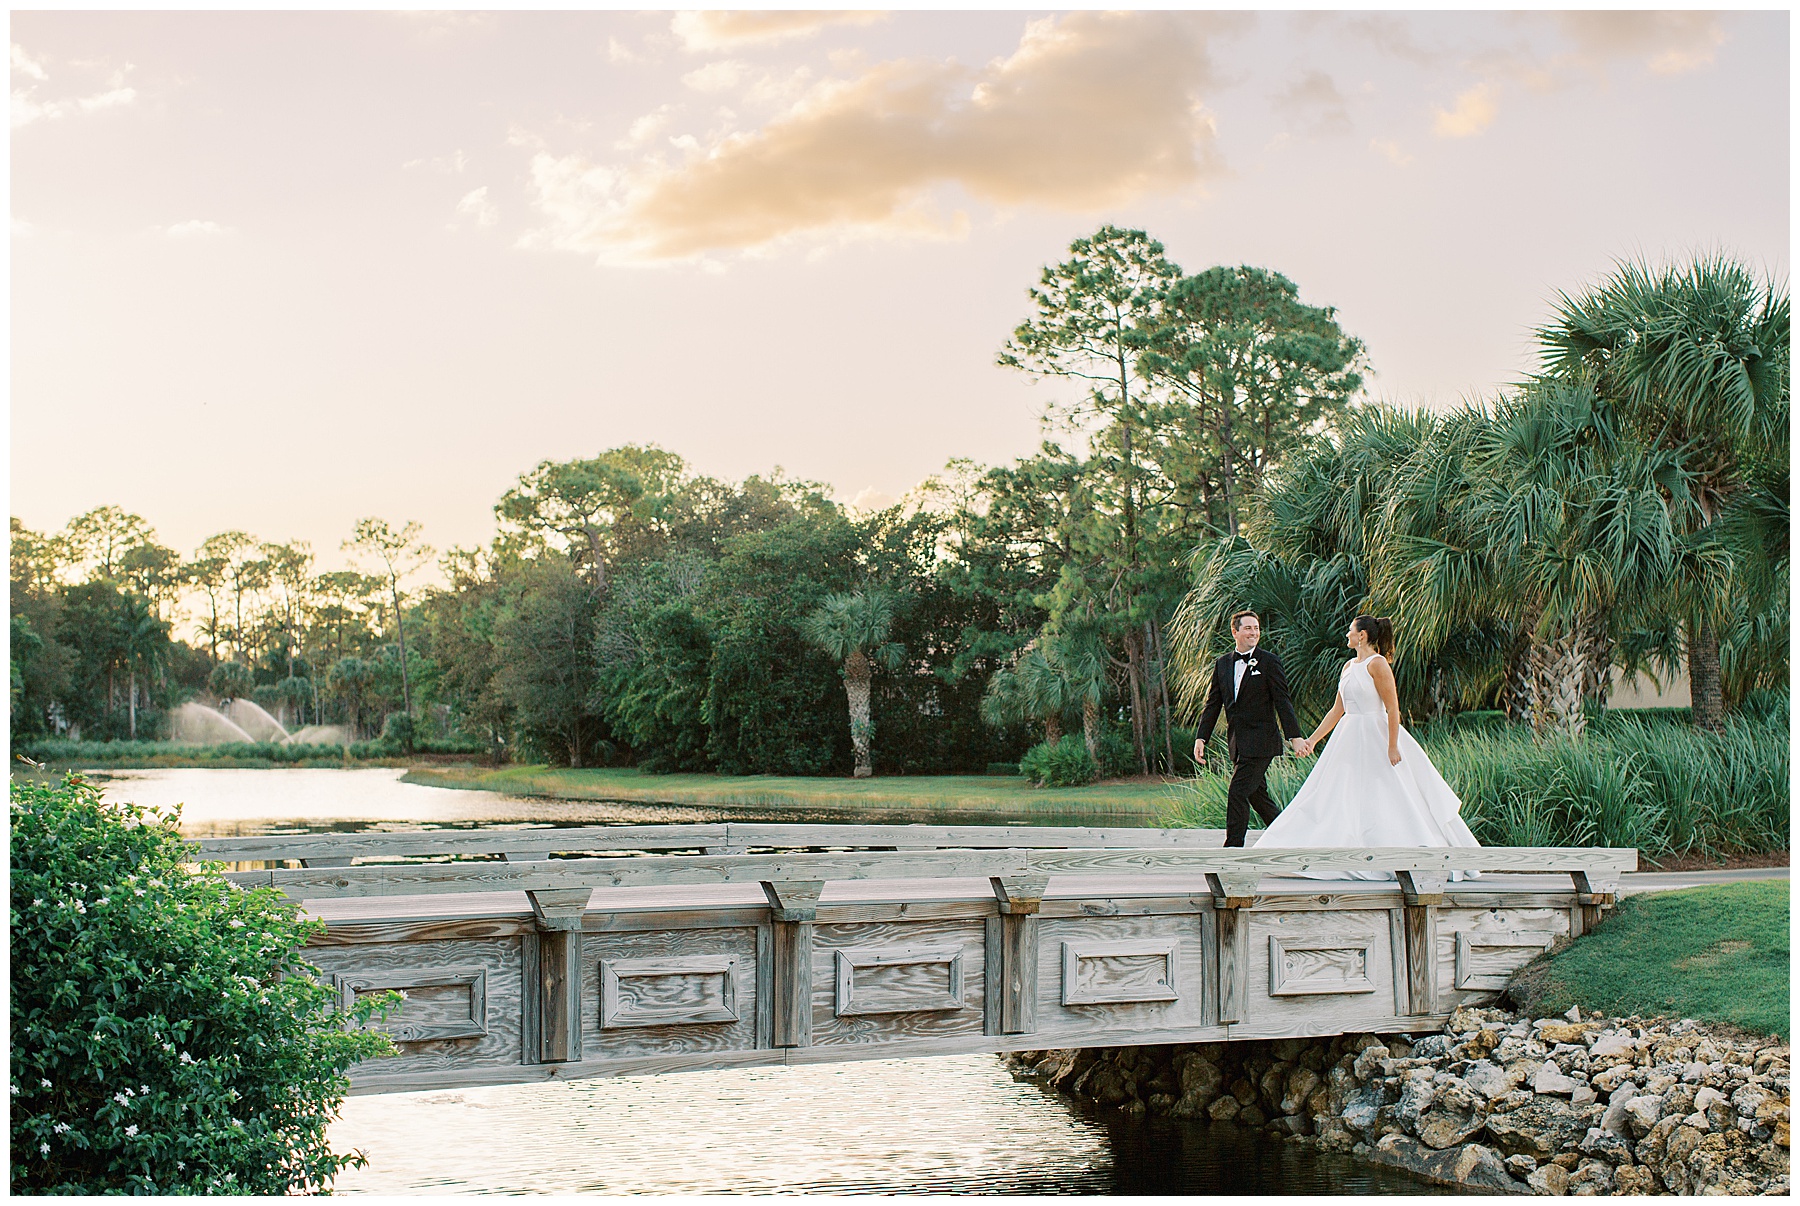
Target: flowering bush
[(166, 1037)]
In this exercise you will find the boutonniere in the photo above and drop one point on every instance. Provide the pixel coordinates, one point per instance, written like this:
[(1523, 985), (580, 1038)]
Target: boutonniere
[(1251, 664)]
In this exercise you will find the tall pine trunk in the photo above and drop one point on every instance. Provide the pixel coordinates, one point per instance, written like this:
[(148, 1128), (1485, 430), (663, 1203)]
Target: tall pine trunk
[(856, 688), (1090, 728)]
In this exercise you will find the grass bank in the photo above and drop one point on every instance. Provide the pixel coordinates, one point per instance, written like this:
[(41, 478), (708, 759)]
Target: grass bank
[(1714, 954), (1662, 787), (948, 796), (251, 755)]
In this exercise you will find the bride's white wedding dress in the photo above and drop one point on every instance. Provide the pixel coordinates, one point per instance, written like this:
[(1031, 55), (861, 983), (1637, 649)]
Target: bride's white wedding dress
[(1356, 798)]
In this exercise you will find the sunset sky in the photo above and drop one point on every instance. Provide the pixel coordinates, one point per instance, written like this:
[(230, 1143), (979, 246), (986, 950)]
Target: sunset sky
[(277, 271)]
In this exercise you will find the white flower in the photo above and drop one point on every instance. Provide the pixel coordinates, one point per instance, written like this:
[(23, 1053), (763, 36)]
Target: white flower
[(80, 908), (131, 1131), (103, 900), (180, 1164), (17, 1090), (144, 1089), (60, 1128), (44, 1148), (45, 1083), (137, 892), (121, 1099), (235, 924), (187, 1059), (38, 903)]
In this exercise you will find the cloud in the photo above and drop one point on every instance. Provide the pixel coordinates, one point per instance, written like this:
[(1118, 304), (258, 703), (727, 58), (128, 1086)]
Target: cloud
[(1668, 43), (195, 229), (718, 30), (24, 64), (1315, 104), (28, 107), (477, 206), (721, 76), (1390, 151), (869, 500), (1474, 112), (1090, 110)]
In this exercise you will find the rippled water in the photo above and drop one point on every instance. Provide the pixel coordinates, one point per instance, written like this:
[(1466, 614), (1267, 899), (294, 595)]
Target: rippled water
[(953, 1124)]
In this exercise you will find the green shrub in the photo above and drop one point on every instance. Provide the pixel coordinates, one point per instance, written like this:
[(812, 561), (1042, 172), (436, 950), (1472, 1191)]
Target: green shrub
[(1065, 764), (166, 1037), (398, 731)]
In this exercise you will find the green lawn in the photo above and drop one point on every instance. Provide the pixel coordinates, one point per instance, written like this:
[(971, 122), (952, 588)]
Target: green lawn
[(950, 797), (1715, 954)]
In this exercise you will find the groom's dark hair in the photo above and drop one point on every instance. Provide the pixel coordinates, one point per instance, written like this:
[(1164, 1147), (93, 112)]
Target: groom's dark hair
[(1237, 618)]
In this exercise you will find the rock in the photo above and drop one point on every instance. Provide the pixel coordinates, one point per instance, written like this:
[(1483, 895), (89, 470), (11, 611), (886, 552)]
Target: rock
[(1616, 1043), (1272, 1082), (1160, 1103), (1698, 1121), (1694, 1074), (1432, 1046), (1488, 1079), (1611, 1078), (1452, 1120), (1333, 1134), (1635, 1179), (1549, 1079), (1591, 1177), (1368, 1063), (1539, 1129), (1301, 1083), (1557, 1032), (1520, 1166), (1252, 1115), (1415, 1097), (1471, 1165), (1604, 1145), (1583, 1095), (1202, 1074), (1574, 1014), (1481, 1044), (1552, 1180), (1244, 1091), (1224, 1109), (1400, 1047), (1614, 1121), (1769, 1110), (1675, 1167)]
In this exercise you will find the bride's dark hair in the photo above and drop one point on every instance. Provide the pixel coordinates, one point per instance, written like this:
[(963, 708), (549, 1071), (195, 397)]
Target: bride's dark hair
[(1379, 630)]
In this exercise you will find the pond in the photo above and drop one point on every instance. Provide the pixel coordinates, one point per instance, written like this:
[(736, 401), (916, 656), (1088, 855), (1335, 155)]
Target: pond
[(951, 1125)]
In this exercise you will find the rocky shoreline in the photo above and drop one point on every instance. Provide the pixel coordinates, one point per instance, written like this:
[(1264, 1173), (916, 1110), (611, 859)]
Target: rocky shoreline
[(1579, 1105)]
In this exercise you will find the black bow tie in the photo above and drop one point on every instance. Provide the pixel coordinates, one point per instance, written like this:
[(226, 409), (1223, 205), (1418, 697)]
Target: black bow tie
[(1244, 657)]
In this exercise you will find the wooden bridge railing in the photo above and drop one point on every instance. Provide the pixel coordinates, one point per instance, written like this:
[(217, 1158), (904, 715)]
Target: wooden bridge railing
[(1322, 939)]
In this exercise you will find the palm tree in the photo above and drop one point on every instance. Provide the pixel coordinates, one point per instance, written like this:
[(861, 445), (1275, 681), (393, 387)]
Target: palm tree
[(350, 679), (1032, 689), (1696, 360), (1076, 654), (853, 628), (140, 640)]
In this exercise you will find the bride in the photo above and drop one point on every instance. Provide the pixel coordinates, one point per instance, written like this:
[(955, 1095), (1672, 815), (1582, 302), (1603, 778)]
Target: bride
[(1373, 785)]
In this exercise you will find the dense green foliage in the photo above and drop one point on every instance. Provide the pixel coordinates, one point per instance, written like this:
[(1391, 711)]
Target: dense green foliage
[(166, 1036), (1206, 451), (1715, 954), (1654, 784)]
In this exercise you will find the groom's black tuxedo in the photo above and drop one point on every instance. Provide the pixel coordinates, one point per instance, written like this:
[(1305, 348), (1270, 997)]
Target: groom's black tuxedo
[(1257, 712)]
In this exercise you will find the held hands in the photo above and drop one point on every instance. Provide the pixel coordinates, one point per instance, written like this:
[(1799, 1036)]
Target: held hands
[(1301, 746), (1393, 755)]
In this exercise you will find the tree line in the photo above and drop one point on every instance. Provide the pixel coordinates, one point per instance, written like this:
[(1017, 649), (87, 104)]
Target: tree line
[(1621, 509)]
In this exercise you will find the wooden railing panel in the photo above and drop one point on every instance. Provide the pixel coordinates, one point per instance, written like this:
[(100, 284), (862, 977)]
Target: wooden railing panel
[(652, 992), (898, 981), (1134, 973)]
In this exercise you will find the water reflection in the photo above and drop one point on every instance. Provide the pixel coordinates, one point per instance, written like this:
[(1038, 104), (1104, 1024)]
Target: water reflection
[(955, 1124)]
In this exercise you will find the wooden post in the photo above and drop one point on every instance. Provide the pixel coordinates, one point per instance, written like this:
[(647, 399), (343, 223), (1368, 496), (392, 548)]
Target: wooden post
[(1422, 892), (1233, 892), (793, 908), (1595, 892), (558, 912), (1020, 899)]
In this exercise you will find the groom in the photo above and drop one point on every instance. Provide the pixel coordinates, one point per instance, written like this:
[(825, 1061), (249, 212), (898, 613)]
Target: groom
[(1251, 688)]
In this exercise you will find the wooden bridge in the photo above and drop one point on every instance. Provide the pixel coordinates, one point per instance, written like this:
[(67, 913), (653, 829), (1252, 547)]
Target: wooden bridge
[(543, 954)]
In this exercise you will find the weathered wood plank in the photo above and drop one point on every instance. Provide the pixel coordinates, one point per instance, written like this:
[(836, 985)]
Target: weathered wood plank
[(993, 938), (908, 981), (1018, 972), (791, 983), (697, 980), (430, 878), (1233, 962), (1133, 973), (559, 975), (1421, 958)]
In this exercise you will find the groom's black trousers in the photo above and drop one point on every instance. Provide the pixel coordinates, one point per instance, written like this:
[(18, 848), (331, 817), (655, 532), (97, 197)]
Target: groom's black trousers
[(1249, 789)]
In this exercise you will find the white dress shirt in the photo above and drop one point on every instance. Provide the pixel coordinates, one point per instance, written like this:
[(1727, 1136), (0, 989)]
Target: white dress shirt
[(1237, 682)]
